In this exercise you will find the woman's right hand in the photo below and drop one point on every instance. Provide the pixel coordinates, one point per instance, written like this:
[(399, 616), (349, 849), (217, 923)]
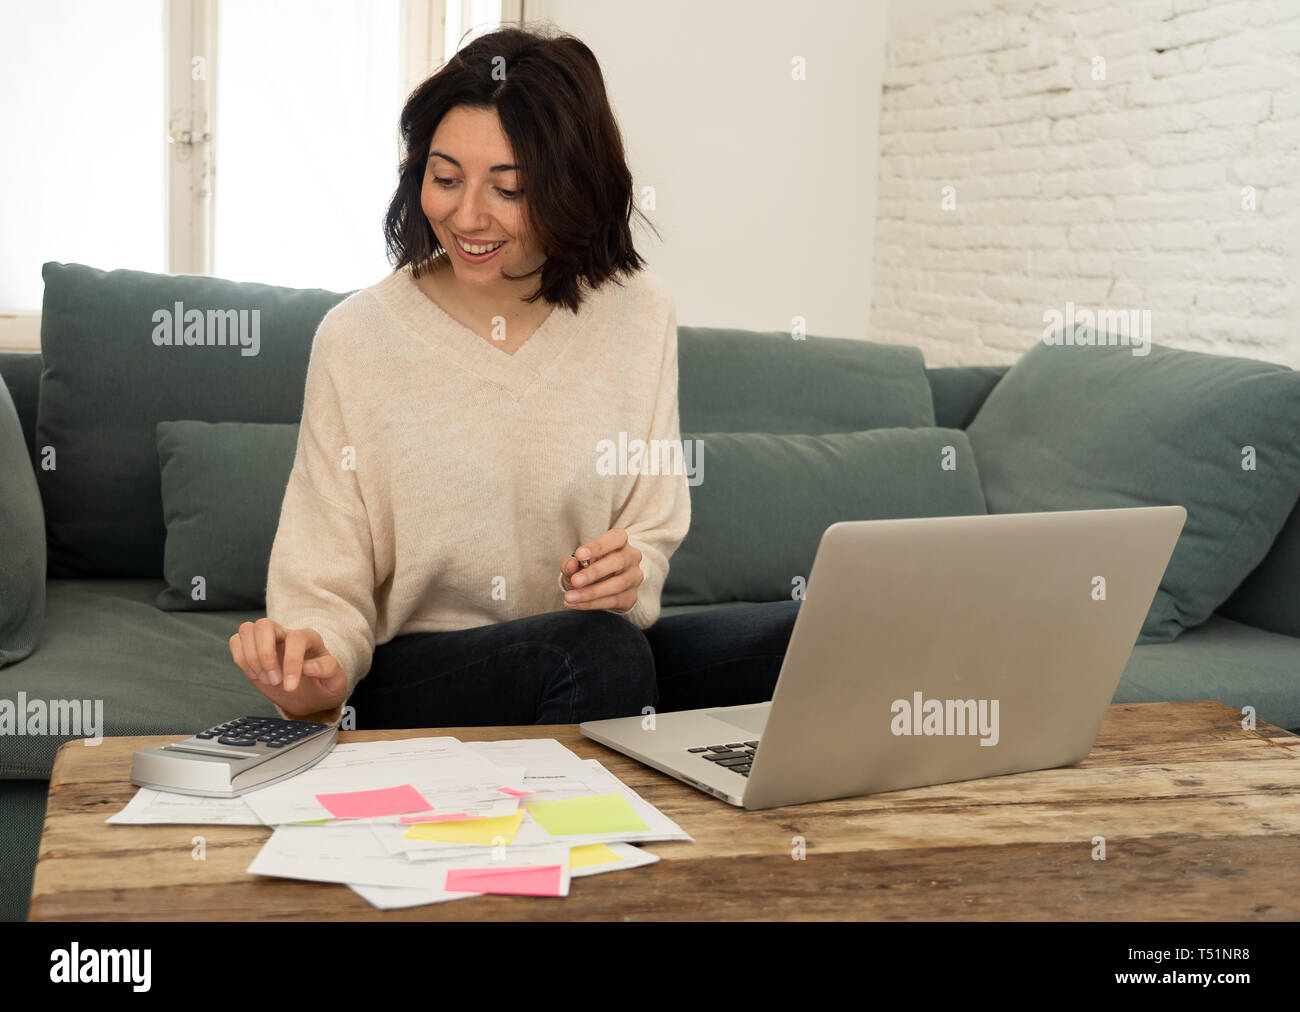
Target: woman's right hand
[(290, 667)]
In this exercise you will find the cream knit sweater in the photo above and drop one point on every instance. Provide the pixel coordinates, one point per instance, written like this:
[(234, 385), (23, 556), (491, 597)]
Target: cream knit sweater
[(439, 482)]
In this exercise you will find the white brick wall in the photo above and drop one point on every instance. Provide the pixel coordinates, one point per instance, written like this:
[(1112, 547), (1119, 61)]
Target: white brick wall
[(1122, 193)]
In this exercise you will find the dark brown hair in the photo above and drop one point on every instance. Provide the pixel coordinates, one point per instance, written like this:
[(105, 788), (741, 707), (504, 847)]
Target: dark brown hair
[(577, 189)]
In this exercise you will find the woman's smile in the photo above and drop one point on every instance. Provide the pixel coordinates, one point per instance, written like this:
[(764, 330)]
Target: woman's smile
[(477, 252)]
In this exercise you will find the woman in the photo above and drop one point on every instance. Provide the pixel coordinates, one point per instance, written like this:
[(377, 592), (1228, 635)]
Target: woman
[(424, 565)]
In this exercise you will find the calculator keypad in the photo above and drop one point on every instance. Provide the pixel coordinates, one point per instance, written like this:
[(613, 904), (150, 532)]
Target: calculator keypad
[(270, 732)]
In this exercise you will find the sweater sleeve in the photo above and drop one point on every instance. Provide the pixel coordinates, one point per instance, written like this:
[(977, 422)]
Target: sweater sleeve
[(657, 514), (321, 571)]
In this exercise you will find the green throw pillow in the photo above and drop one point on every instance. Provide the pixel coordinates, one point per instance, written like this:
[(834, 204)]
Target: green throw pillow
[(222, 485), (765, 500), (22, 541), (1093, 427)]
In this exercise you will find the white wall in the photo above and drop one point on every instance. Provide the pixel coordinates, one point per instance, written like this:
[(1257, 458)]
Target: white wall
[(765, 186), (1124, 193)]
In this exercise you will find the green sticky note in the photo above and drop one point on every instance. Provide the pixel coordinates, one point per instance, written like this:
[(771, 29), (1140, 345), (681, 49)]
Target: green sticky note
[(310, 822), (594, 813)]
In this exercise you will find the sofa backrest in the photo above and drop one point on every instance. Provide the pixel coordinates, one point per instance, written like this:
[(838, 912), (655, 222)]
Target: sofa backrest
[(124, 350), (957, 392), (748, 381)]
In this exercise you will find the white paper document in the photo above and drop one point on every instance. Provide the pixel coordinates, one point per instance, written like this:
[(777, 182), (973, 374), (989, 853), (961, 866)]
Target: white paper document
[(525, 752), (398, 898), (430, 765), (150, 807), (350, 854)]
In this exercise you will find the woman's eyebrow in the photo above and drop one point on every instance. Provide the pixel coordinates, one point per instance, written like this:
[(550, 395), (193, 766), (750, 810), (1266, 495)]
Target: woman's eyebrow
[(448, 158)]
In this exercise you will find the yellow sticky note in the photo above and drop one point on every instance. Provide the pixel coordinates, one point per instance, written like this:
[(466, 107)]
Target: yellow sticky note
[(593, 813), (484, 831), (593, 853)]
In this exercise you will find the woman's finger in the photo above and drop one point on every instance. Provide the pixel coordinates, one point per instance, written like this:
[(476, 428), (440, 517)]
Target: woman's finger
[(266, 635), (295, 646), (599, 588), (614, 562), (608, 587), (615, 602), (323, 667), (248, 645), (237, 654), (610, 541)]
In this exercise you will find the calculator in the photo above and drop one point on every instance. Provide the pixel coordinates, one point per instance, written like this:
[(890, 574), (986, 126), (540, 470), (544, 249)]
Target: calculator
[(234, 758)]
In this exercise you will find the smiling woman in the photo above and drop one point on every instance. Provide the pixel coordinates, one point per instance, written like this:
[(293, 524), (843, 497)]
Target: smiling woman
[(450, 552)]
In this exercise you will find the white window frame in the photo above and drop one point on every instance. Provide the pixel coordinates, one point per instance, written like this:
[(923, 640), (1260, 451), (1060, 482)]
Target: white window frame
[(190, 97)]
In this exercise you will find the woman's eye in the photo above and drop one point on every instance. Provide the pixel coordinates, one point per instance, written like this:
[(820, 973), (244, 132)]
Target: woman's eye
[(448, 183)]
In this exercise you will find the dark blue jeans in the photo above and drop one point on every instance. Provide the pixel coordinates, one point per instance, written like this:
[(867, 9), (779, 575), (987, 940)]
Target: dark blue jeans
[(564, 667)]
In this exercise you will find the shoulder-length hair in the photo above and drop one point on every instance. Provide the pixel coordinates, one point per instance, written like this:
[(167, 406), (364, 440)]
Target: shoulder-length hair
[(549, 94)]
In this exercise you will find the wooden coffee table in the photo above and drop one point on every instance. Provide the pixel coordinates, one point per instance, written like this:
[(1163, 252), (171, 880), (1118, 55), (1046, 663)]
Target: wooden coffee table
[(1201, 821)]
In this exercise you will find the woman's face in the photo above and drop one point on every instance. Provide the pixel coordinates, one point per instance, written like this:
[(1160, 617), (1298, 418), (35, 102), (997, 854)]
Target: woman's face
[(471, 193)]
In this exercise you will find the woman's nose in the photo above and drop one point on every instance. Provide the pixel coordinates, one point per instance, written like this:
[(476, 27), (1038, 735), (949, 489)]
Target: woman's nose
[(468, 215)]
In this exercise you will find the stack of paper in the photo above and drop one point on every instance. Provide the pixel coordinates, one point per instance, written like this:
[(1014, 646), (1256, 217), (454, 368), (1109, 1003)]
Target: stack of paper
[(424, 820)]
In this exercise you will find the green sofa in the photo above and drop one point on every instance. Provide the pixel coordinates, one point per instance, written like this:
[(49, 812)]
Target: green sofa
[(103, 635)]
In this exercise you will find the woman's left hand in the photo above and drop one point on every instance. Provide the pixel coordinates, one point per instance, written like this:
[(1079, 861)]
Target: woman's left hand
[(610, 581)]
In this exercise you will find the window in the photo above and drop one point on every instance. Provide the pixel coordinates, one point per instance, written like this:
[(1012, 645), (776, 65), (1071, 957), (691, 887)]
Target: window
[(308, 97), (84, 152), (283, 149), (469, 16)]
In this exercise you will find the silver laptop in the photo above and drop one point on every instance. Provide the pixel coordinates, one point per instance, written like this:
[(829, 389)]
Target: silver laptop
[(928, 651)]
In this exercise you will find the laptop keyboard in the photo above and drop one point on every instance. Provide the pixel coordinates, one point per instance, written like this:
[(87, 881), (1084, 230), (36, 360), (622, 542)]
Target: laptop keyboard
[(737, 756)]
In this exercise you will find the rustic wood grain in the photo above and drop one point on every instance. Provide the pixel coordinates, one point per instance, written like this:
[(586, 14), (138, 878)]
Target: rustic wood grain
[(1199, 815)]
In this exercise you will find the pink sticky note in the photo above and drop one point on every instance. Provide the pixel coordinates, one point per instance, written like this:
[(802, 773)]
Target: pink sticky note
[(453, 817), (539, 880), (364, 804), (512, 792)]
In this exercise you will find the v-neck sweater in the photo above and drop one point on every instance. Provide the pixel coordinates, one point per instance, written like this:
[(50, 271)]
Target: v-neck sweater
[(439, 482)]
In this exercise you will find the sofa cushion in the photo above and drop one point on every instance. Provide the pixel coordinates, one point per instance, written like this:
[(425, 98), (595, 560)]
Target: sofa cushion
[(153, 672), (1270, 596), (109, 380), (22, 541), (958, 391), (21, 371), (222, 485), (748, 381), (766, 499), (1224, 660), (1083, 427)]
